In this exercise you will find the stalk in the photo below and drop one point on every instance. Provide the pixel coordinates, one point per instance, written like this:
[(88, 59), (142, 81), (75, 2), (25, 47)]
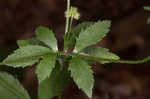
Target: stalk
[(67, 18)]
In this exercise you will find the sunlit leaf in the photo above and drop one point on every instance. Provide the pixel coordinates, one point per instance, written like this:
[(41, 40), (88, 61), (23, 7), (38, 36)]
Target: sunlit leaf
[(101, 53), (26, 56), (92, 34), (55, 84), (46, 35), (45, 67)]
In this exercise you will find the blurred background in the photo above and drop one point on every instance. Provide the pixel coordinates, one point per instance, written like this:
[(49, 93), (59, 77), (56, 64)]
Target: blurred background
[(129, 38)]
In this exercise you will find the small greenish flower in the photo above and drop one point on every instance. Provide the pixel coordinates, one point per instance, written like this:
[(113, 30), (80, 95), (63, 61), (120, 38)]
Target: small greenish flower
[(68, 14), (73, 12)]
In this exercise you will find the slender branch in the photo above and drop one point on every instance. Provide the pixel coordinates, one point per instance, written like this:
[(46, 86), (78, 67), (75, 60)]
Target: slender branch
[(86, 56), (133, 61), (67, 18), (70, 25)]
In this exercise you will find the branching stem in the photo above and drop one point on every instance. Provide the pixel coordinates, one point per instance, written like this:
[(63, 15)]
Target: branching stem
[(67, 18)]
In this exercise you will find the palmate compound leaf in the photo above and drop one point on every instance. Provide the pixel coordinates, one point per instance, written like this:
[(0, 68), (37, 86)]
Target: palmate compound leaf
[(55, 84), (70, 38), (26, 56), (82, 74), (10, 88), (101, 53), (45, 67), (92, 34), (46, 35)]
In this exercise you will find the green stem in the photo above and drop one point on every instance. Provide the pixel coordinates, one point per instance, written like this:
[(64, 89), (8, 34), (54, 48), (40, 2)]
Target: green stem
[(115, 61), (70, 26), (67, 19), (133, 61)]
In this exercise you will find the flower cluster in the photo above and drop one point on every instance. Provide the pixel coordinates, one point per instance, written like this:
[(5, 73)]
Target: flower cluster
[(73, 12)]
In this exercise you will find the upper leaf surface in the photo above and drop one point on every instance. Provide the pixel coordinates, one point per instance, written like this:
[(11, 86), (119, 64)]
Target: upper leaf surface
[(31, 41), (82, 75), (46, 35), (11, 88), (70, 37), (55, 84), (147, 8), (25, 56), (102, 53), (92, 34), (45, 67), (76, 30)]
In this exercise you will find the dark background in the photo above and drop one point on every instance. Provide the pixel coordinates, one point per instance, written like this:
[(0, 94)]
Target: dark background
[(129, 38)]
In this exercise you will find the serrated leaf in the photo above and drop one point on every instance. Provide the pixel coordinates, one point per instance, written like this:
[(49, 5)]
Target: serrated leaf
[(70, 37), (46, 35), (147, 8), (31, 41), (26, 56), (55, 84), (102, 53), (92, 34), (76, 30), (11, 88), (45, 67), (82, 74)]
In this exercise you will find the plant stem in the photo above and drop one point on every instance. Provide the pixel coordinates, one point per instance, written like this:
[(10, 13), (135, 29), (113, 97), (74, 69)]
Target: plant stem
[(70, 26), (133, 61), (67, 18), (115, 61)]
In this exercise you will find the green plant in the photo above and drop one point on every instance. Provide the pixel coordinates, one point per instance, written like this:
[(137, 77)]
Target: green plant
[(55, 67)]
